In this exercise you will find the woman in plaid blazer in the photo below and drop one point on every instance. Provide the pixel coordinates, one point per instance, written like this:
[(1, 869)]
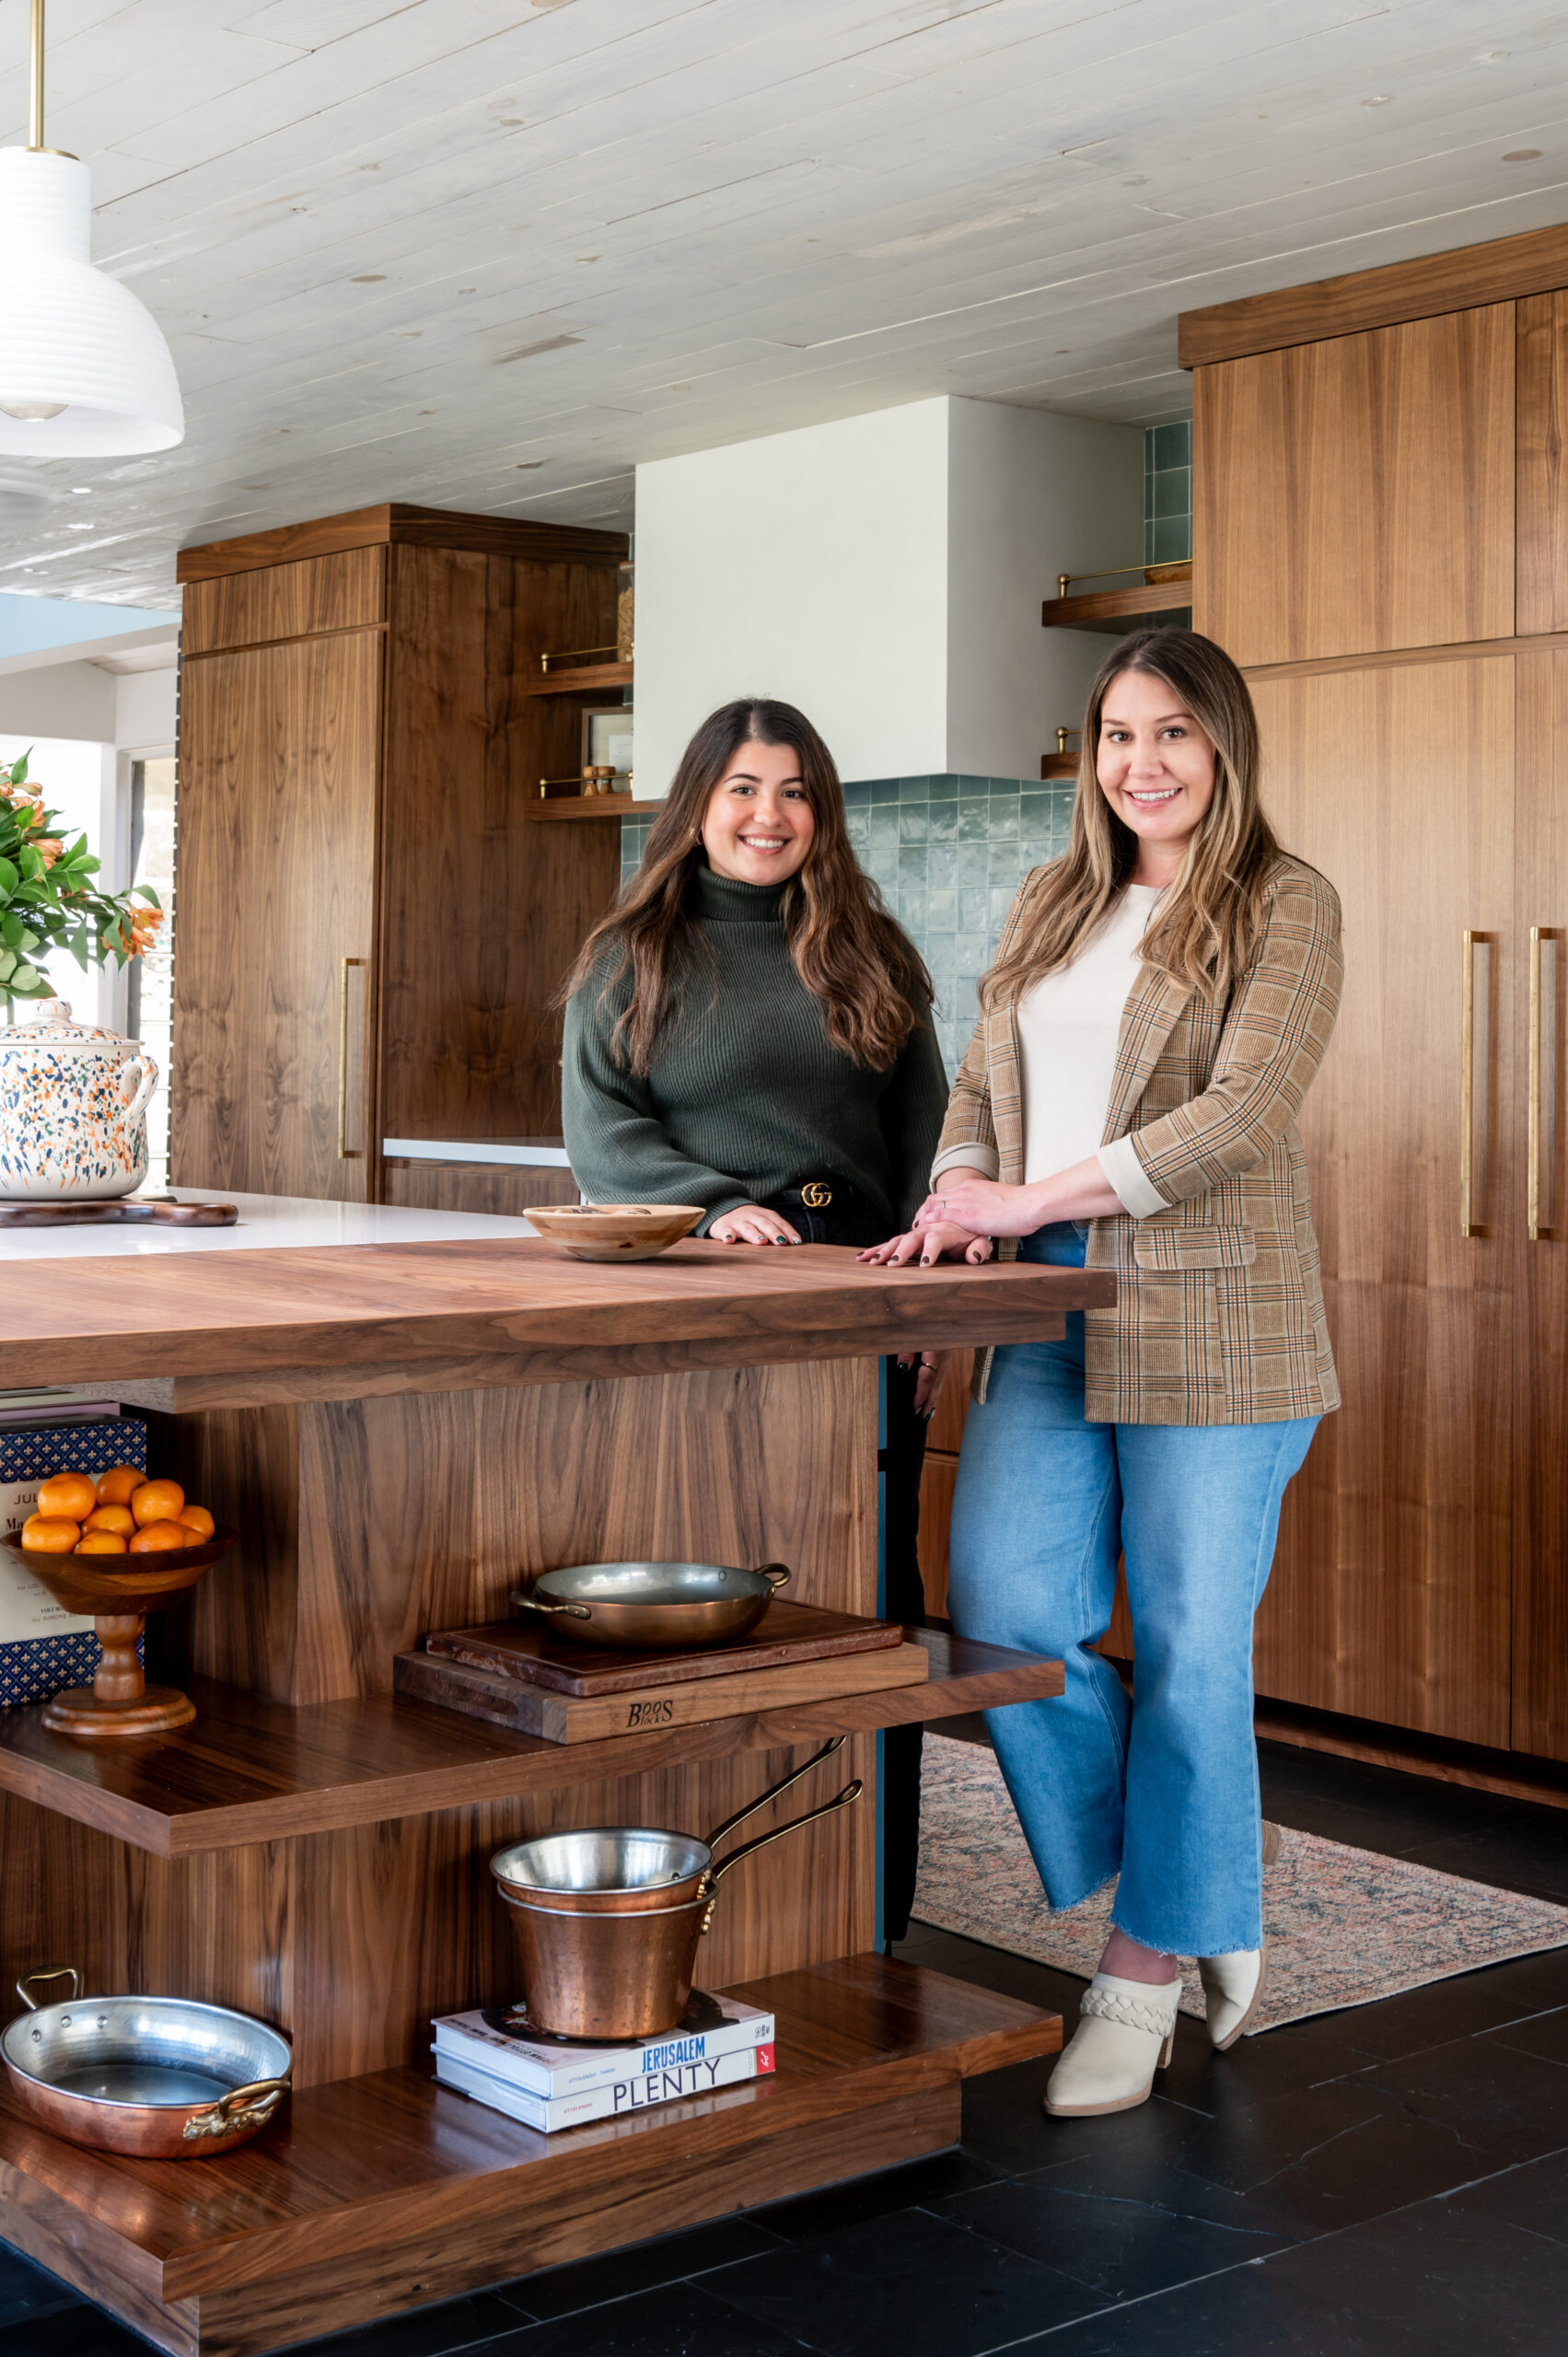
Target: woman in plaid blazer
[(1161, 999)]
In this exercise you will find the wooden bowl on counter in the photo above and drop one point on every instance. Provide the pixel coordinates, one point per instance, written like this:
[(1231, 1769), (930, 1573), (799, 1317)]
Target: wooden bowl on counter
[(119, 1591), (614, 1231)]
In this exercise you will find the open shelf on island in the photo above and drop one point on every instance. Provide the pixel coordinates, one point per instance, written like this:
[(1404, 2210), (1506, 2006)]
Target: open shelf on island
[(1149, 602), (250, 1770), (587, 678), (380, 2194)]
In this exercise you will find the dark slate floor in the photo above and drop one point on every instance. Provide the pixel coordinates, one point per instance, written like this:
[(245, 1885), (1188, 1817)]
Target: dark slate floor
[(1391, 2182)]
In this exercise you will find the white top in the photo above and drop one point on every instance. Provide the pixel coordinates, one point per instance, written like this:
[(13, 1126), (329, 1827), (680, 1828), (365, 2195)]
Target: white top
[(1068, 1028), (266, 1224)]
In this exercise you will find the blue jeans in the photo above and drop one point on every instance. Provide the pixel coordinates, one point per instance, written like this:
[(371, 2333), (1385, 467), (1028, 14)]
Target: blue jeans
[(1162, 1789)]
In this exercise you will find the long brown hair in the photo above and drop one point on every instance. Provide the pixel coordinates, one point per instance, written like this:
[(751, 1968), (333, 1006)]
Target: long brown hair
[(847, 950), (1208, 922)]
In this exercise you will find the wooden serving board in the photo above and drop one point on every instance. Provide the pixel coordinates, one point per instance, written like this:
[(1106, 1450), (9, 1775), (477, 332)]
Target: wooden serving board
[(155, 1211), (568, 1718), (530, 1652)]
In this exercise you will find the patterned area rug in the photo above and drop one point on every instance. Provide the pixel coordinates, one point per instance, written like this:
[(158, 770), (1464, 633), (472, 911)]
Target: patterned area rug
[(1345, 1926)]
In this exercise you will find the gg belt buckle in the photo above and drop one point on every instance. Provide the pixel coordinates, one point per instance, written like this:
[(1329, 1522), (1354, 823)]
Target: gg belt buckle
[(816, 1196)]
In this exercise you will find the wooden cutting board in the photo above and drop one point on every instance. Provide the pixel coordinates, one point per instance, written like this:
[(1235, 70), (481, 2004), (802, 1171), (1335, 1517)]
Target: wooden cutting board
[(570, 1718), (531, 1654)]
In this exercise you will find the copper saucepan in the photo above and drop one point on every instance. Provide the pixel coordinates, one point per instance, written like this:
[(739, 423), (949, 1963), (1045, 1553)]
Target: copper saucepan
[(164, 2078), (642, 1607), (608, 1918)]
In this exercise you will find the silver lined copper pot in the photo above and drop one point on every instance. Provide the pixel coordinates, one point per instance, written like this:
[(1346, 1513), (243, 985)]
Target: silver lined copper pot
[(162, 2078)]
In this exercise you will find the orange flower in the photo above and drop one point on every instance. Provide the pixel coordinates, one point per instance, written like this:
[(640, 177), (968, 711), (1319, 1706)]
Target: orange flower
[(49, 848), (144, 923)]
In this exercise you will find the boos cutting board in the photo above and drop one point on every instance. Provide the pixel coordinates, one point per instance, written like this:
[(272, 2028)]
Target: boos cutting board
[(533, 1654), (508, 1702)]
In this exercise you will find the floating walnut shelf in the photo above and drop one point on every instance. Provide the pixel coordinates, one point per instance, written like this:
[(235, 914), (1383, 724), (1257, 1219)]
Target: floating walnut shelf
[(1149, 602), (593, 806), (589, 678)]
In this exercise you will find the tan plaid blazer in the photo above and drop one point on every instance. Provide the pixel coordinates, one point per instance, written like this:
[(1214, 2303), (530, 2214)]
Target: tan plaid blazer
[(1219, 1312)]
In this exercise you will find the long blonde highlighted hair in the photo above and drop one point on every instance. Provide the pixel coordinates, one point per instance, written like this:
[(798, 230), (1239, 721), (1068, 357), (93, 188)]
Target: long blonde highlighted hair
[(1208, 922)]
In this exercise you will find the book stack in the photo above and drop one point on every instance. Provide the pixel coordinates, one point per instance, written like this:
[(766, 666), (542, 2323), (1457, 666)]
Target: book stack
[(496, 2057), (43, 1647)]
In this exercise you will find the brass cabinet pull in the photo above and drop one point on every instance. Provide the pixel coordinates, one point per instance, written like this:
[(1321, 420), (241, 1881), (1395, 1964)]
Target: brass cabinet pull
[(1539, 1231), (346, 1152), (1467, 1086)]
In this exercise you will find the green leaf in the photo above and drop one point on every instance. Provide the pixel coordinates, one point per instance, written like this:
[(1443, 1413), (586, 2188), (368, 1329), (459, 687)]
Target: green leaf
[(20, 768), (24, 978), (78, 948), (30, 861), (8, 963), (29, 941), (9, 878), (145, 892)]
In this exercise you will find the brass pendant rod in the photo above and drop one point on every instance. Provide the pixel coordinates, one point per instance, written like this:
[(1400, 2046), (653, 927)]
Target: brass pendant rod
[(35, 118)]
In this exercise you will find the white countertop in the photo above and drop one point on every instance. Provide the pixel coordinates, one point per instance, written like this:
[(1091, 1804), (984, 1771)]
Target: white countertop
[(529, 1154), (266, 1224)]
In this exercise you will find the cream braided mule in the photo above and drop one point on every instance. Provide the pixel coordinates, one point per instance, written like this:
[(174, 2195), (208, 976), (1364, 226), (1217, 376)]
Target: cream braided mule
[(1126, 2030)]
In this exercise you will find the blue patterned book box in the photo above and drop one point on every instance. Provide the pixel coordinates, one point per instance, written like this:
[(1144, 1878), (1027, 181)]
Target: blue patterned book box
[(43, 1649)]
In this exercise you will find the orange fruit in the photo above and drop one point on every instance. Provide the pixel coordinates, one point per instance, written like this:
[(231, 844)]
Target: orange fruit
[(116, 1518), (197, 1521), (156, 1502), (100, 1542), (153, 1536), (66, 1497), (114, 1488), (49, 1534)]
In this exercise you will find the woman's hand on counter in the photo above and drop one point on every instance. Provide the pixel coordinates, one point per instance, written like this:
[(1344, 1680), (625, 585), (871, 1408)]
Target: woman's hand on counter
[(928, 1246), (750, 1223), (981, 1207)]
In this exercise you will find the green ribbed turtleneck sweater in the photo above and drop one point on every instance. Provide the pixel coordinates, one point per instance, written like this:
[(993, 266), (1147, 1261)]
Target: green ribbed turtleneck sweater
[(747, 1095)]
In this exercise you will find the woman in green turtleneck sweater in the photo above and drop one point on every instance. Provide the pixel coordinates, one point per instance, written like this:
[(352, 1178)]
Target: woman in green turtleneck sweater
[(750, 1030)]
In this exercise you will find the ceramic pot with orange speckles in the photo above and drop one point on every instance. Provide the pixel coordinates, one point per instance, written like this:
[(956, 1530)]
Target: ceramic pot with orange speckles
[(74, 1098)]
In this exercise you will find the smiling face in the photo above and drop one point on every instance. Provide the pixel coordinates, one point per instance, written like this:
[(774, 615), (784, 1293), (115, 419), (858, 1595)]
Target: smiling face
[(1155, 768), (759, 823)]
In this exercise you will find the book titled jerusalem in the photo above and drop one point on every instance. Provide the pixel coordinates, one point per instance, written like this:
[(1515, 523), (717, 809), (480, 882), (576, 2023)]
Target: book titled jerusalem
[(633, 2091), (497, 2041)]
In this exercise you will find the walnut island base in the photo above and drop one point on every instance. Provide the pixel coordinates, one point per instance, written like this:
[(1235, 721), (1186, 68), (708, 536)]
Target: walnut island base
[(401, 1430)]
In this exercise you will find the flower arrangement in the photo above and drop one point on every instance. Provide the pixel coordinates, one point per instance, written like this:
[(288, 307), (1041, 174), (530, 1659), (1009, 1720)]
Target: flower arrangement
[(48, 899)]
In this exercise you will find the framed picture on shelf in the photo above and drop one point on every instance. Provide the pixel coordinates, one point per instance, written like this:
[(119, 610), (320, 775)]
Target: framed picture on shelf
[(606, 740)]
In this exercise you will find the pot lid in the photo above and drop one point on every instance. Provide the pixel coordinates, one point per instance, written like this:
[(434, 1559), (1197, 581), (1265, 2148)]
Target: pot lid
[(48, 1023)]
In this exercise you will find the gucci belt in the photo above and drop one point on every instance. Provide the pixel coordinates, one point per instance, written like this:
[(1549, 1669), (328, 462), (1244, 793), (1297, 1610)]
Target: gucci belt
[(816, 1196)]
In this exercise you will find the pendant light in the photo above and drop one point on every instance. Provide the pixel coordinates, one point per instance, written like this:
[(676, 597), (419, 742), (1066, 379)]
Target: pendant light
[(84, 368)]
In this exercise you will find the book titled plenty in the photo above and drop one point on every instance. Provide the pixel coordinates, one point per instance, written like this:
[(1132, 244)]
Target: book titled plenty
[(635, 2091), (491, 2056)]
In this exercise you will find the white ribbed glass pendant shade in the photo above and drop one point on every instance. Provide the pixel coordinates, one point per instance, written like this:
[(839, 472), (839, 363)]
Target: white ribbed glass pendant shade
[(84, 368)]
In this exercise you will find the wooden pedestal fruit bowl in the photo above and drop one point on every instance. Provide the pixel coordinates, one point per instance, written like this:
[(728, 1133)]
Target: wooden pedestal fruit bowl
[(614, 1231), (119, 1591)]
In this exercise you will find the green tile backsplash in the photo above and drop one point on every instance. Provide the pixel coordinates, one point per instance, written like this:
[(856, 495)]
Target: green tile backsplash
[(949, 853)]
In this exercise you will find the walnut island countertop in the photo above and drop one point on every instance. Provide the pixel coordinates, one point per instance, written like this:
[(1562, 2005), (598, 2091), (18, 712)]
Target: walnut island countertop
[(402, 1413), (350, 1298)]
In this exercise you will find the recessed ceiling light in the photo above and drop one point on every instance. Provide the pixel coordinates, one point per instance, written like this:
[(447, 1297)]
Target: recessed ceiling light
[(81, 528), (1383, 98), (370, 278), (81, 490), (1521, 155)]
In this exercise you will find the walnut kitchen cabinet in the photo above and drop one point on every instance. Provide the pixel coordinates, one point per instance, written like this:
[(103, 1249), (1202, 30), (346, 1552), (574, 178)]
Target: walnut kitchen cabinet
[(371, 927), (1381, 515)]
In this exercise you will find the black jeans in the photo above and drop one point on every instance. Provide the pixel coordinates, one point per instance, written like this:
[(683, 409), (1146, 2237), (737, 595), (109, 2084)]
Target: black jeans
[(849, 1220)]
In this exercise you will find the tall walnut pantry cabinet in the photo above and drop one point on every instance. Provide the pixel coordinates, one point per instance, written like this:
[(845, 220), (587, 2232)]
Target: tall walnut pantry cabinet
[(371, 923), (1381, 540)]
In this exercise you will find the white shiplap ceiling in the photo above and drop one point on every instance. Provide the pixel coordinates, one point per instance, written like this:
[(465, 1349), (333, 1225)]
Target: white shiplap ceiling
[(488, 254)]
